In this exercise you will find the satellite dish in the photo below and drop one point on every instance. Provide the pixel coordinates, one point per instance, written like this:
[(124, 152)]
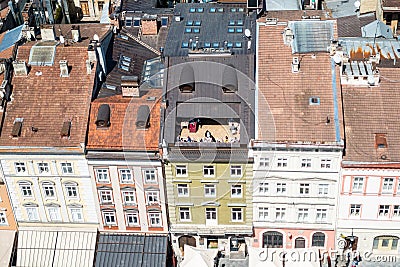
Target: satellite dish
[(96, 37), (337, 58), (357, 4), (247, 33)]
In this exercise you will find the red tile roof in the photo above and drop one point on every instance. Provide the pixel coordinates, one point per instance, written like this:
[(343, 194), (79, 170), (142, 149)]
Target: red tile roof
[(286, 95), (122, 134)]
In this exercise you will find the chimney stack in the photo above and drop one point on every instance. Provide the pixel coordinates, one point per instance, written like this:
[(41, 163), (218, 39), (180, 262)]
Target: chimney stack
[(76, 33), (64, 68), (130, 86), (48, 33), (20, 68)]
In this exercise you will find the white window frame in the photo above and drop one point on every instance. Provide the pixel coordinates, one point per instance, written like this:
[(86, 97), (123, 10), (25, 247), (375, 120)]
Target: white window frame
[(185, 214), (102, 175), (263, 188), (281, 188), (109, 214), (26, 187), (154, 195), (181, 171), (134, 214), (355, 210), (32, 213), (383, 210), (236, 171), (125, 176), (302, 214), (358, 184), (20, 167), (304, 189), (280, 214), (306, 163), (73, 189), (106, 193), (67, 168), (131, 195), (43, 167), (263, 214), (209, 171), (236, 191), (210, 190), (264, 162), (387, 185), (396, 211), (326, 163), (321, 215), (150, 176), (237, 214), (155, 216), (282, 162), (54, 214), (182, 190), (76, 214), (323, 189), (211, 214), (3, 218), (48, 187)]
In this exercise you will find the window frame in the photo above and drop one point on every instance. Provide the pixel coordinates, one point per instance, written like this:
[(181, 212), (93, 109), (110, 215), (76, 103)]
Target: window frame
[(321, 212), (237, 214), (281, 188), (3, 218), (101, 173), (54, 211), (43, 167), (314, 240), (76, 211), (236, 191), (133, 214), (281, 212), (50, 187), (324, 188), (355, 207), (303, 214), (185, 211), (265, 212), (264, 162), (125, 172), (236, 171), (152, 194), (326, 164), (182, 190), (150, 176), (35, 211), (67, 168), (282, 162), (154, 215), (109, 214), (210, 171), (384, 211), (387, 187), (29, 188), (211, 187), (358, 184), (306, 163), (181, 171), (20, 167), (106, 193), (132, 193), (71, 187), (304, 189)]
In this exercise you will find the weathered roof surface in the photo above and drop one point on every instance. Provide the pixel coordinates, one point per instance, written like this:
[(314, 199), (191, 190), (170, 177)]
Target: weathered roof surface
[(44, 100), (341, 8), (87, 31), (392, 4), (369, 111), (122, 134), (211, 28), (368, 6), (55, 248), (377, 29), (276, 5), (285, 109), (131, 250), (350, 26), (10, 37)]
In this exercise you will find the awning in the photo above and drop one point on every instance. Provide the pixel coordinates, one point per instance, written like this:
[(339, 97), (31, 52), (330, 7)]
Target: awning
[(198, 257), (55, 248), (6, 246)]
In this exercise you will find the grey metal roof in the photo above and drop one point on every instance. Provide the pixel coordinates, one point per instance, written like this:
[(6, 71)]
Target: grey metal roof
[(341, 8), (131, 250), (11, 37), (279, 5), (212, 26), (208, 110), (377, 29), (311, 35), (153, 73), (42, 54)]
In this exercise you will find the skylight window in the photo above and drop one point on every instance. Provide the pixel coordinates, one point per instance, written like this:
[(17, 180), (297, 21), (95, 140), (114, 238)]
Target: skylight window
[(215, 45), (188, 30), (197, 23), (233, 9), (213, 10), (239, 30), (200, 10), (196, 30), (231, 30), (164, 21), (238, 44), (229, 44), (207, 45), (192, 10), (239, 22), (240, 9), (136, 22), (231, 23), (128, 22), (189, 23), (221, 9), (314, 100), (185, 45)]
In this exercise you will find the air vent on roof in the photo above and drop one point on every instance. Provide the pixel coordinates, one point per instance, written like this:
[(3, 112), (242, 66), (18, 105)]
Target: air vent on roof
[(76, 33), (64, 68), (295, 65), (143, 117), (66, 129), (130, 86), (20, 68), (16, 130), (187, 83), (288, 36), (271, 21), (229, 80), (380, 141), (48, 33), (103, 116)]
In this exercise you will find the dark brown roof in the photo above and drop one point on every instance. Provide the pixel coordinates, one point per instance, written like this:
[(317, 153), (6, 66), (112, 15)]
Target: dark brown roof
[(371, 111), (350, 26), (45, 101), (391, 3), (284, 110), (87, 32), (122, 133)]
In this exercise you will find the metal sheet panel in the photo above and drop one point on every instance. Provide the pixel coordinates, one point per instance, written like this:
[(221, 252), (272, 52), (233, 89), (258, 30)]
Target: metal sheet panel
[(11, 37), (207, 110), (42, 55)]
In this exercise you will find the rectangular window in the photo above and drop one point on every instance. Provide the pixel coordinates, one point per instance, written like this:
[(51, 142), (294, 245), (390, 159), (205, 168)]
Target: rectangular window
[(132, 219), (236, 171), (109, 218), (76, 214), (323, 189), (184, 214), (355, 210), (71, 190), (358, 184), (304, 189), (102, 175), (306, 163), (152, 198), (236, 191), (3, 218), (183, 190), (281, 188), (164, 21), (264, 162), (155, 219), (396, 210), (66, 168), (32, 213), (211, 213), (387, 186), (326, 163), (54, 214), (48, 190), (181, 170), (43, 167), (263, 213), (125, 176), (282, 162), (105, 196), (302, 215), (384, 210), (237, 215), (20, 167), (129, 197), (26, 189), (263, 188), (128, 22), (280, 214), (208, 171), (150, 177), (210, 190), (321, 215), (136, 22)]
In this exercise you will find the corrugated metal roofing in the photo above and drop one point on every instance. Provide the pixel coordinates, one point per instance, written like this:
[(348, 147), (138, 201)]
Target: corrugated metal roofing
[(278, 5), (55, 248), (377, 29), (311, 35), (131, 250), (363, 48), (11, 37)]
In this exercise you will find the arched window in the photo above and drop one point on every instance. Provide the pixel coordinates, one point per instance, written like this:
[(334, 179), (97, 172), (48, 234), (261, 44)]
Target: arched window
[(318, 239), (300, 243), (272, 240), (385, 242)]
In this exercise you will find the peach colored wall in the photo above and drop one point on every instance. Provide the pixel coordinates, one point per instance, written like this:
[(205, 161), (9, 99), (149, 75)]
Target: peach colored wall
[(5, 204), (288, 242)]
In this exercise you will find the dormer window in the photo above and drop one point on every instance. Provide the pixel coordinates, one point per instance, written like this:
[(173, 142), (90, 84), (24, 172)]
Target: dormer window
[(16, 131), (314, 101), (187, 83), (103, 116), (66, 129), (143, 117), (380, 141)]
